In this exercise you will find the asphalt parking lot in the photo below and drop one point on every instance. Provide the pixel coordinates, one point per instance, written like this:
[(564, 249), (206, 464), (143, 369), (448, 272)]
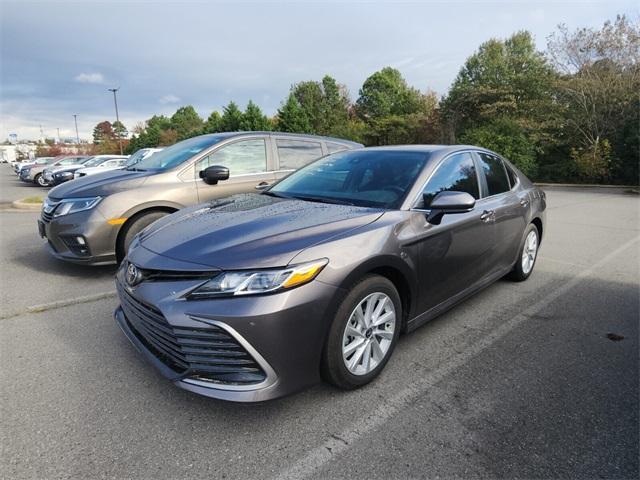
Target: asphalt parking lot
[(537, 379)]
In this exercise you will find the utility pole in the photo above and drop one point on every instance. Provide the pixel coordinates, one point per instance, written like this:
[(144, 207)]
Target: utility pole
[(115, 101), (75, 119)]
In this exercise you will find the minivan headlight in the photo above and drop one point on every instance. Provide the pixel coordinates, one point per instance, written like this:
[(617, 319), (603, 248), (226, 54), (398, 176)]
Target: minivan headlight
[(252, 282), (73, 205)]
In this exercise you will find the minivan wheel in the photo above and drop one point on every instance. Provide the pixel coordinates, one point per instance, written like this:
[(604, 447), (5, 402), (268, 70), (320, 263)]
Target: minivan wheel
[(527, 255), (363, 334), (133, 227), (40, 180)]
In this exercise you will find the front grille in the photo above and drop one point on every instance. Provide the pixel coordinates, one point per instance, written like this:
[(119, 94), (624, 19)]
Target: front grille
[(47, 209), (208, 354)]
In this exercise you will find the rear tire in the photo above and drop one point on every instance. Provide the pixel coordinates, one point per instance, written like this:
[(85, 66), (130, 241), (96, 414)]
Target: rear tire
[(132, 228), (527, 255), (350, 358)]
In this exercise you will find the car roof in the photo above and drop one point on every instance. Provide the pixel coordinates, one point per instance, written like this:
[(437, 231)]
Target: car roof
[(285, 134)]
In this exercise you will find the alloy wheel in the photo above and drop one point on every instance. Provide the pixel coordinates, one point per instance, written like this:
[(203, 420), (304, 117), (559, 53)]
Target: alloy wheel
[(368, 334), (529, 252)]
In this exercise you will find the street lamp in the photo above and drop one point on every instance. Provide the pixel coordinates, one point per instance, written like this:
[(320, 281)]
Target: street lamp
[(115, 101), (75, 119)]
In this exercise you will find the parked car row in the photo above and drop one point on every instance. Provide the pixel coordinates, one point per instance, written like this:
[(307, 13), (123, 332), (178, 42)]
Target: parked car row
[(254, 264), (52, 171)]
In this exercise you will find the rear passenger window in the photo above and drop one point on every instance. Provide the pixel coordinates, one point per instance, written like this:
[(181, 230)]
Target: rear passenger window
[(294, 154), (495, 173), (513, 178), (455, 174), (335, 147)]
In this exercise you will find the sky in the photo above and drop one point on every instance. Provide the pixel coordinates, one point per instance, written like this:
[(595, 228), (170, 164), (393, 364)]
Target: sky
[(59, 58)]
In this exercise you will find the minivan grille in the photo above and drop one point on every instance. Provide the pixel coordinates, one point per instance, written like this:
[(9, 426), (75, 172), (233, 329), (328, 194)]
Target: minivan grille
[(208, 354)]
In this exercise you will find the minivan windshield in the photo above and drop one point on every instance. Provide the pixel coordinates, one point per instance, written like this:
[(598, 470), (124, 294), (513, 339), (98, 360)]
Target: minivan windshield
[(367, 178), (176, 154)]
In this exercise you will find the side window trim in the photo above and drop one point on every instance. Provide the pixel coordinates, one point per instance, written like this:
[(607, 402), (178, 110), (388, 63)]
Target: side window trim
[(191, 164), (440, 163), (480, 171)]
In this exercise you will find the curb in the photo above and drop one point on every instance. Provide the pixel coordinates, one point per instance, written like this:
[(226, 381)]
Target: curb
[(20, 205)]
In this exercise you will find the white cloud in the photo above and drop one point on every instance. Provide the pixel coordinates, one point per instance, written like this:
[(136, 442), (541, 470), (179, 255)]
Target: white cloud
[(89, 78), (169, 99)]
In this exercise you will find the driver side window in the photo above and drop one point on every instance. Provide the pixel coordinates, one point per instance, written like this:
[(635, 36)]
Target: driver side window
[(456, 173), (243, 157)]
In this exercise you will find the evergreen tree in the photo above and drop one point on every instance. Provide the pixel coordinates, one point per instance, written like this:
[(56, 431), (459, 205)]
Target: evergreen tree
[(253, 119), (186, 122), (213, 123), (231, 118), (292, 118)]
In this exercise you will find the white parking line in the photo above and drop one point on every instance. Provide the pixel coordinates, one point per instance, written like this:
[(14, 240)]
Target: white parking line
[(339, 443), (59, 304)]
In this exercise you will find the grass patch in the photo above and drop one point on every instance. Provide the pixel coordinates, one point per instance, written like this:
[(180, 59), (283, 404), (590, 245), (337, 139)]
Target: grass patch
[(33, 199)]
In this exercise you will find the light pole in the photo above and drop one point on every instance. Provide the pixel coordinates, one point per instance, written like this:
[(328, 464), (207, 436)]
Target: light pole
[(75, 119), (115, 101)]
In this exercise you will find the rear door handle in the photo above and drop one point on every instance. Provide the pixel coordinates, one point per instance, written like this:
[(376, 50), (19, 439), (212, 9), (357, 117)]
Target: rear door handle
[(487, 216), (524, 202)]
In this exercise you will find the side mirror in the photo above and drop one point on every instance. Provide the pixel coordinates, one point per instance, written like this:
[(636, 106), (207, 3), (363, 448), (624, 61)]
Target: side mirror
[(213, 174), (449, 202)]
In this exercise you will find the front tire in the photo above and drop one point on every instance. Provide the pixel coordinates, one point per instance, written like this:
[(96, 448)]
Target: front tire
[(363, 334), (132, 228), (40, 180), (527, 255)]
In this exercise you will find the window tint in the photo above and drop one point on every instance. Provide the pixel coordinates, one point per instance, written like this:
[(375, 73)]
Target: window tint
[(456, 174), (246, 156), (495, 173), (513, 178), (367, 178), (294, 154), (335, 147)]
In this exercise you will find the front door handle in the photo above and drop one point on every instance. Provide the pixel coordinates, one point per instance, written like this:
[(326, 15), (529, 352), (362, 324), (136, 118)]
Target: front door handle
[(487, 216), (524, 202), (262, 185)]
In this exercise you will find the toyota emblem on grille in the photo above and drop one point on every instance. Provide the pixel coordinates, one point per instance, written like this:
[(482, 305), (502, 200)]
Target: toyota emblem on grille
[(133, 276)]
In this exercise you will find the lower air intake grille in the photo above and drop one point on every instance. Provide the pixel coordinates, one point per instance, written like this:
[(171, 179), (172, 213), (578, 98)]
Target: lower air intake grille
[(207, 354)]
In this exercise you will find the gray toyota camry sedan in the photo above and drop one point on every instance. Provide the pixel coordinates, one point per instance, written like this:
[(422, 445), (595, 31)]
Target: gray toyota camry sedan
[(256, 296)]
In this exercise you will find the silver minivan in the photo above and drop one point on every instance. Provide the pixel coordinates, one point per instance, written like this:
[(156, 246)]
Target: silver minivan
[(93, 219)]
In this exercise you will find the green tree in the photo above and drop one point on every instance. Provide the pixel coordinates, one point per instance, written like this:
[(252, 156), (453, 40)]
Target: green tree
[(598, 87), (292, 118), (505, 84), (186, 122), (119, 130), (386, 93), (253, 119), (231, 118), (213, 123)]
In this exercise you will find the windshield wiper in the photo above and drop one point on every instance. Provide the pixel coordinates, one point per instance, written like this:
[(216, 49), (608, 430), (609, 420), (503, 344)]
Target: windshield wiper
[(134, 169), (275, 194), (335, 201)]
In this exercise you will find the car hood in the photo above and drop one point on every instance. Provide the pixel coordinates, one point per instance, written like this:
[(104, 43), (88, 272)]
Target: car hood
[(247, 231), (101, 185)]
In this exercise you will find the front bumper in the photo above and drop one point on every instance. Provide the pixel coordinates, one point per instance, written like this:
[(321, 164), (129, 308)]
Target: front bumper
[(284, 333), (61, 234)]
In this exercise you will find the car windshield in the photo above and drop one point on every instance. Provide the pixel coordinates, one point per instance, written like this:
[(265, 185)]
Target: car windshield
[(368, 178), (176, 154), (136, 157), (94, 161)]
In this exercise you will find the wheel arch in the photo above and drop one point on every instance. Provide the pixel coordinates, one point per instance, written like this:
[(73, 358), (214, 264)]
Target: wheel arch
[(136, 213), (537, 221)]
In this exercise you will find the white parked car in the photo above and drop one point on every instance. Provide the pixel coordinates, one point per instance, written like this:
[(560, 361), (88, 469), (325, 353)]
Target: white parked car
[(102, 163), (141, 155)]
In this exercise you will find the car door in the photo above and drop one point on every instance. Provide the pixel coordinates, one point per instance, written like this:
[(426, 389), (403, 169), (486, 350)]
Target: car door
[(249, 162), (294, 153), (453, 254), (505, 206)]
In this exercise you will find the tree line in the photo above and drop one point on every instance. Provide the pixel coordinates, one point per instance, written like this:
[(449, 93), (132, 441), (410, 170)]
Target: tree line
[(567, 114)]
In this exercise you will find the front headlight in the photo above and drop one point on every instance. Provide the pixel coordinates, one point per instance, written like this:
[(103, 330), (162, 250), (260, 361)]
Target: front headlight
[(248, 282), (73, 205)]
